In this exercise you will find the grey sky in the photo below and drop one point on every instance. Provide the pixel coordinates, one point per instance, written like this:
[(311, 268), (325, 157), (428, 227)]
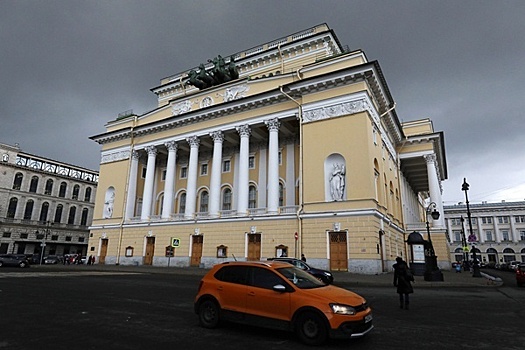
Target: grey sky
[(67, 67)]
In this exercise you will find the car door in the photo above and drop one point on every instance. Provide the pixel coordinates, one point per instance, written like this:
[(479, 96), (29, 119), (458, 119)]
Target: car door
[(232, 288), (262, 300)]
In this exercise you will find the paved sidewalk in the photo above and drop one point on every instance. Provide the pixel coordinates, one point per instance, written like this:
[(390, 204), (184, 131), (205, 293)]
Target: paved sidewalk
[(451, 278)]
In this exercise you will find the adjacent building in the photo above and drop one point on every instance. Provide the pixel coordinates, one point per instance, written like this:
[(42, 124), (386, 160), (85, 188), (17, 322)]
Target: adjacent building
[(46, 206), (293, 146), (498, 231)]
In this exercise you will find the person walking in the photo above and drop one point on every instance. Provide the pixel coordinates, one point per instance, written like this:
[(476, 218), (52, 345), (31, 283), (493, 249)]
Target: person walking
[(402, 280)]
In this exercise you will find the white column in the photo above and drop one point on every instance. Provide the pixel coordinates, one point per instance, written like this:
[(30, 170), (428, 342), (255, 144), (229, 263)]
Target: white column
[(514, 236), (147, 197), (132, 185), (290, 174), (261, 199), (273, 165), (216, 171), (434, 189), (169, 183), (481, 236), (244, 175), (191, 185), (497, 235)]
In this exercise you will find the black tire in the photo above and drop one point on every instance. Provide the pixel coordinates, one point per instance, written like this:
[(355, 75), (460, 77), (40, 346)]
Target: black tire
[(311, 328), (1, 263), (209, 314)]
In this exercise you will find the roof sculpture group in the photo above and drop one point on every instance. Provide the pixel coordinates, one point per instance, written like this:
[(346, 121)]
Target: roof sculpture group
[(220, 73)]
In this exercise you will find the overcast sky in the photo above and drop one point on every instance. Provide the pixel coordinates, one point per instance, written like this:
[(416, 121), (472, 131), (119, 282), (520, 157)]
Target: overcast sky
[(67, 67)]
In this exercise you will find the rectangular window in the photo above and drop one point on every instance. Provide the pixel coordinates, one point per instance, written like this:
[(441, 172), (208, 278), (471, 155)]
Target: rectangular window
[(6, 234), (81, 239), (488, 235), (68, 238), (163, 175), (280, 157), (204, 169), (23, 235), (54, 237), (522, 235), (143, 172), (503, 219), (226, 166), (184, 172), (457, 236), (251, 162), (486, 220), (520, 219), (505, 235)]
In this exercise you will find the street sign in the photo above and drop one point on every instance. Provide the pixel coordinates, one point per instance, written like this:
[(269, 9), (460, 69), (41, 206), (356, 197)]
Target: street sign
[(175, 242)]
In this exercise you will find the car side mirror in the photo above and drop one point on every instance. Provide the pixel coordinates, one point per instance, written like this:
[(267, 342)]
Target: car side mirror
[(279, 288)]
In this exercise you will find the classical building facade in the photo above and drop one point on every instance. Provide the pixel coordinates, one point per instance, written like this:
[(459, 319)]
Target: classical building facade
[(498, 231), (44, 203), (291, 147)]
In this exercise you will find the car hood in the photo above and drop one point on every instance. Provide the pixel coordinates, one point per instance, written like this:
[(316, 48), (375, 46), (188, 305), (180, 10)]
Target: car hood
[(333, 294)]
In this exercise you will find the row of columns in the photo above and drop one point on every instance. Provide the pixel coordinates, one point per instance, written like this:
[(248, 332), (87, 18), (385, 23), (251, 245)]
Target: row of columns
[(215, 180)]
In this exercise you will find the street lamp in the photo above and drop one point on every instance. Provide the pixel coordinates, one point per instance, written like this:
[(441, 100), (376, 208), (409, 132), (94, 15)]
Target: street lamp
[(44, 237), (432, 272), (475, 268)]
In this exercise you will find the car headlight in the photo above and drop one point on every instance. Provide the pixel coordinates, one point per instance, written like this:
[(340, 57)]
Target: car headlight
[(342, 309)]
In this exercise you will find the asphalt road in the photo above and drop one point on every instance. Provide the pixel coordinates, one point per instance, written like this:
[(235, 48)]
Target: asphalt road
[(82, 309)]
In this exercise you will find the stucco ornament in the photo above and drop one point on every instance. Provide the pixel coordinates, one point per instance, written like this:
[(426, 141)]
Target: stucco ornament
[(180, 108)]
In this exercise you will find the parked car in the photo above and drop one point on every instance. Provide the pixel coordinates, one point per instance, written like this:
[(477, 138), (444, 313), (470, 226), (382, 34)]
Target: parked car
[(513, 265), (275, 294), (520, 275), (323, 275), (53, 259), (14, 260)]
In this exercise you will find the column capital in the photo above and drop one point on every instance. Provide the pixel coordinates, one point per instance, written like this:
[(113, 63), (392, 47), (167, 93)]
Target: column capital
[(430, 158), (217, 136), (273, 124), (171, 146), (152, 150), (135, 155), (244, 130), (194, 141)]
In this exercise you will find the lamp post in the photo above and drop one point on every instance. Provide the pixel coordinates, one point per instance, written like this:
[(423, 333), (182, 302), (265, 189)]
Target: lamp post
[(432, 272), (44, 237), (475, 268)]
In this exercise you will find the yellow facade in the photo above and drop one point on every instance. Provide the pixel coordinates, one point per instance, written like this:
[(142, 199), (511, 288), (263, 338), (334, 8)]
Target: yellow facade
[(302, 153)]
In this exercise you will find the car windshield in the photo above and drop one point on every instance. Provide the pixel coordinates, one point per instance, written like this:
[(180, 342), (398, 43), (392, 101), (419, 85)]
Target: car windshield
[(300, 278)]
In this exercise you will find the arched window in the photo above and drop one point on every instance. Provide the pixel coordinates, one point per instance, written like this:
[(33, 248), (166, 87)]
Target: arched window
[(182, 203), (62, 191), (87, 195), (43, 212), (76, 190), (204, 202), (18, 181), (227, 199), (58, 213), (11, 211), (29, 209), (49, 187), (34, 184), (71, 217), (281, 194), (83, 220), (252, 197)]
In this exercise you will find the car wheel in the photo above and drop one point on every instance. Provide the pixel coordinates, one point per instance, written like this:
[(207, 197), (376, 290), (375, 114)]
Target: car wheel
[(209, 314), (1, 263), (22, 264), (311, 329)]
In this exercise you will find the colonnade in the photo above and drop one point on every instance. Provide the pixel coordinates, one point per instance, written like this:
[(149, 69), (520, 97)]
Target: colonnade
[(242, 185)]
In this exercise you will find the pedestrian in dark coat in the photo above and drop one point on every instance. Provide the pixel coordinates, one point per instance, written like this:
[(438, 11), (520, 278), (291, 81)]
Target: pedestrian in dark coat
[(402, 280)]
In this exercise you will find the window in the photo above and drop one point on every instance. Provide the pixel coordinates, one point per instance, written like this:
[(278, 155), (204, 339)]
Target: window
[(204, 202), (11, 211), (81, 239), (28, 212), (488, 235), (204, 169), (222, 251), (163, 175), (182, 203), (505, 235), (455, 221), (281, 251), (184, 172), (457, 236), (24, 235), (522, 235), (54, 237), (62, 190), (226, 199), (68, 238), (87, 195), (486, 220), (71, 216), (520, 219), (18, 181), (233, 274), (76, 190), (503, 219), (49, 187), (226, 166), (83, 220), (43, 212), (58, 213), (34, 184), (251, 162), (281, 194), (280, 157), (263, 278), (129, 251), (6, 234), (144, 170), (252, 197)]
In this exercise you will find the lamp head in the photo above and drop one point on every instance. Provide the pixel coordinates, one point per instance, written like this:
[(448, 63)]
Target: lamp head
[(435, 214), (465, 186)]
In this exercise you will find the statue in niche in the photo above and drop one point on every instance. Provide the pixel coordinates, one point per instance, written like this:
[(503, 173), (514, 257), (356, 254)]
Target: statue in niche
[(108, 203), (337, 182)]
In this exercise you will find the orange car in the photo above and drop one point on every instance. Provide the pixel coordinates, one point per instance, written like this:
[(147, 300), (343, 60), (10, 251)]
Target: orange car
[(278, 295)]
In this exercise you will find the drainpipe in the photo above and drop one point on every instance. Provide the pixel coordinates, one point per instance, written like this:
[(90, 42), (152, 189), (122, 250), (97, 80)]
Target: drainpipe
[(301, 204), (121, 224)]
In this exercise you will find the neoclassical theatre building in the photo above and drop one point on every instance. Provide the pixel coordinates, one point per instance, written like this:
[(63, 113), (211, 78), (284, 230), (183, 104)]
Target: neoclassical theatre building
[(290, 147)]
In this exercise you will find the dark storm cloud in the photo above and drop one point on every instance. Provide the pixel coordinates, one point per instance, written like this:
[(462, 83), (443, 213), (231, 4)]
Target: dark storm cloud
[(67, 67)]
